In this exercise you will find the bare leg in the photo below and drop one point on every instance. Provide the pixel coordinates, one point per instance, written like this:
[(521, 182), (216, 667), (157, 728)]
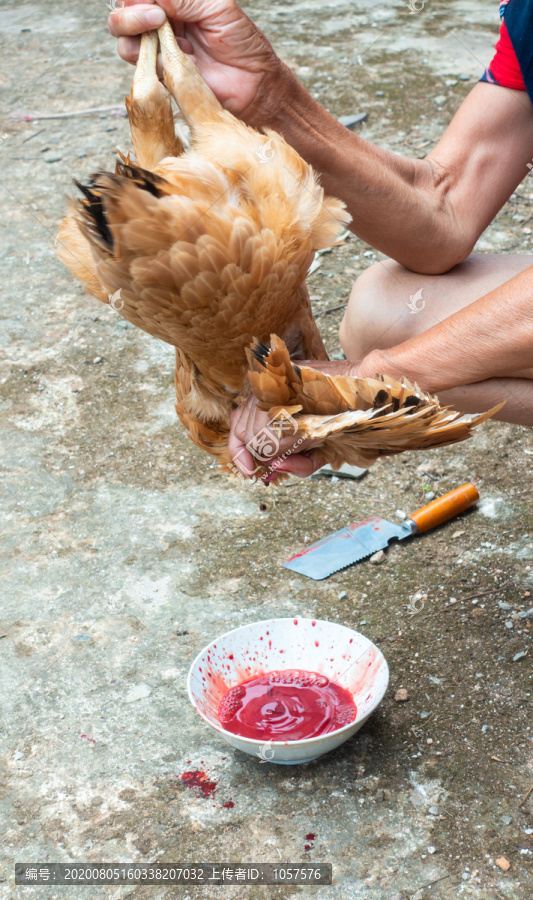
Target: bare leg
[(390, 304), (150, 110), (381, 313)]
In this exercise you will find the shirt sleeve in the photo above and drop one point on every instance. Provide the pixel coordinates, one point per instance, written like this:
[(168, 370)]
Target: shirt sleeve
[(504, 68)]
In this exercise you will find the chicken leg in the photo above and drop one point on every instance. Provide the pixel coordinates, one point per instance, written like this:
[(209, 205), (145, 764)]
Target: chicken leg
[(150, 110), (194, 97)]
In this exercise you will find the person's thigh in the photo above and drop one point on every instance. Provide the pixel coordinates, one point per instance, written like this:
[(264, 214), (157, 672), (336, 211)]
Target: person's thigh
[(389, 304)]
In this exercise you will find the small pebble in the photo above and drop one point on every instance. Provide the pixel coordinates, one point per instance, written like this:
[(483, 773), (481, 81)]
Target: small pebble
[(400, 514), (432, 850), (262, 506), (439, 100), (429, 495), (506, 819), (378, 557), (431, 469), (433, 811), (350, 121), (342, 595), (519, 655), (97, 359), (528, 614), (509, 624), (401, 695), (503, 605), (138, 692), (503, 863)]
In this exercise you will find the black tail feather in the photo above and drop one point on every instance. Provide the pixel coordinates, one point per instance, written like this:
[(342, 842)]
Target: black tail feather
[(102, 183), (260, 351)]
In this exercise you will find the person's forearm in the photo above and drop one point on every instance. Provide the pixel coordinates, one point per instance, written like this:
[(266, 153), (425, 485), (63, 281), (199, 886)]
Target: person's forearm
[(397, 204), (490, 338)]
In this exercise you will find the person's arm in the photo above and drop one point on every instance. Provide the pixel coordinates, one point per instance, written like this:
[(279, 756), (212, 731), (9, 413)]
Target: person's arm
[(426, 214), (490, 338)]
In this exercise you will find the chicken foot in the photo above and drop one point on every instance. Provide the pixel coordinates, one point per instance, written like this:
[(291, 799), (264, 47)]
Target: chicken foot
[(150, 110)]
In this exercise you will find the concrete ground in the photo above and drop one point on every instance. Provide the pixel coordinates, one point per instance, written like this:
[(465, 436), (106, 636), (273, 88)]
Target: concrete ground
[(126, 551)]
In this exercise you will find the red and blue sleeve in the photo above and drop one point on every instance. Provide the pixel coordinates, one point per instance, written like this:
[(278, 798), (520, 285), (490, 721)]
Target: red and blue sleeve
[(504, 68)]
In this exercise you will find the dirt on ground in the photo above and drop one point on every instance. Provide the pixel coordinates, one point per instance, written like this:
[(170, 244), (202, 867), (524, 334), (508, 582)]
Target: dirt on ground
[(126, 550)]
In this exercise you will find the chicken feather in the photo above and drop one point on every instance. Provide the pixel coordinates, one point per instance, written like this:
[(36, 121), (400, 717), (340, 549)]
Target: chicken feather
[(353, 420)]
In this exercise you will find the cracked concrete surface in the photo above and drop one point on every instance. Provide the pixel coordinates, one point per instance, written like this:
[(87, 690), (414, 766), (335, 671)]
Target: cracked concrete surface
[(125, 551)]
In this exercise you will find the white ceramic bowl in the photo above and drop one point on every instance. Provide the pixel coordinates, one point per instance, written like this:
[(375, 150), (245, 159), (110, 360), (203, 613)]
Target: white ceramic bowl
[(339, 653)]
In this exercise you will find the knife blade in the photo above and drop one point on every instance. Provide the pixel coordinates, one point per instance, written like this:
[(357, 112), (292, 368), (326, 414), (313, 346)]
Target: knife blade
[(362, 539)]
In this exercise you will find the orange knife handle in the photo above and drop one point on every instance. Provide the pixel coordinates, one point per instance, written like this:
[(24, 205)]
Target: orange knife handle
[(444, 508)]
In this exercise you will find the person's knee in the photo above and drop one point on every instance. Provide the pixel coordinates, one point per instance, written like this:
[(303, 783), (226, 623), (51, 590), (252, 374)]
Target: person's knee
[(372, 310)]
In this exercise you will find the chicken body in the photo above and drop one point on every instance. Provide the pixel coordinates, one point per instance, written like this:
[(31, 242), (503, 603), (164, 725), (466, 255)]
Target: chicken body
[(209, 248)]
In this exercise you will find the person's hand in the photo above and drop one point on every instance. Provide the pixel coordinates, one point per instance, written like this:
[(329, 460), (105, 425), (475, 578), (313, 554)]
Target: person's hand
[(253, 442), (233, 55)]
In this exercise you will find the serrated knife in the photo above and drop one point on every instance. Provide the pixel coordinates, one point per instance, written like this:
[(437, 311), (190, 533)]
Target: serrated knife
[(362, 539)]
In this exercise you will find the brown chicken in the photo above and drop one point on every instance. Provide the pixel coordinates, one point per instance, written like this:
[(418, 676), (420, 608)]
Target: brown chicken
[(209, 248)]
